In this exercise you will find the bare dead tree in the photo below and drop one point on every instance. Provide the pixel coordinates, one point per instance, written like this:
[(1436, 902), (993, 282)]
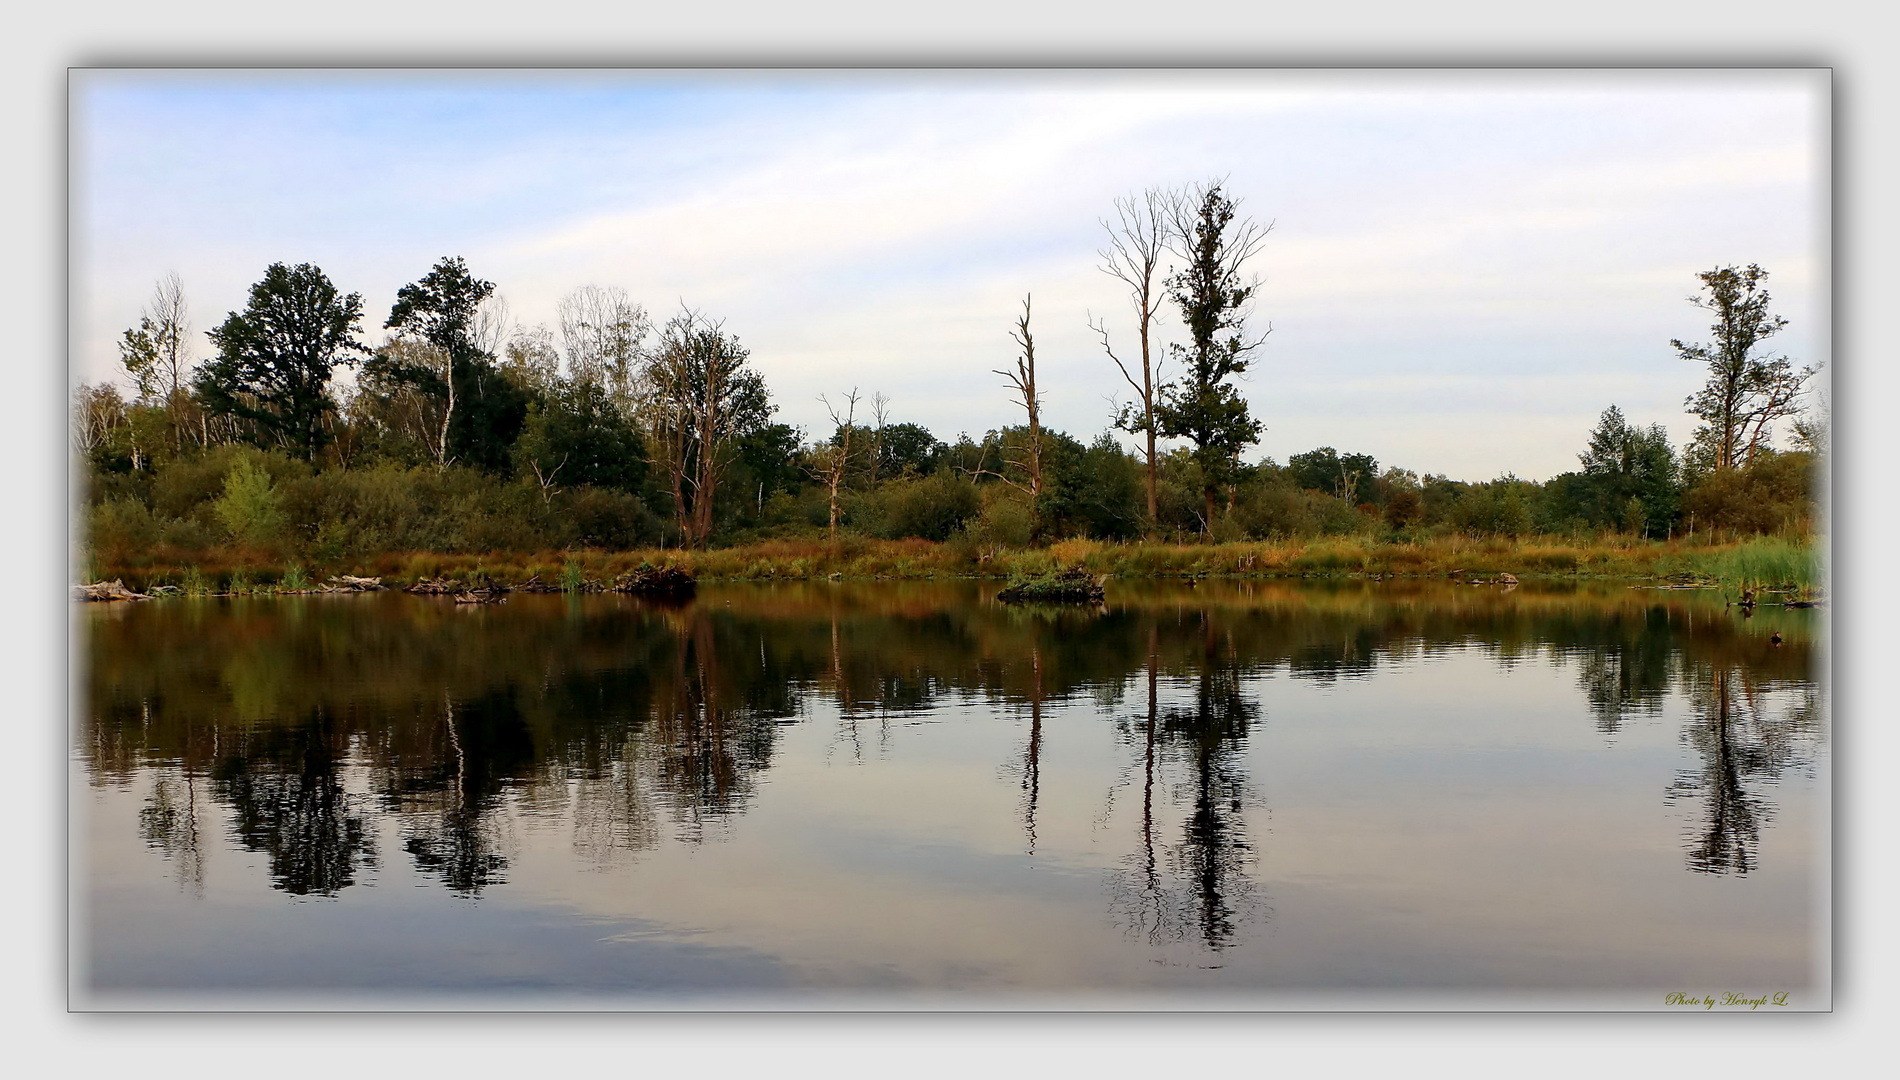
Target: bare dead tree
[(829, 464), (880, 415), (1023, 381), (1137, 242), (544, 476), (493, 325), (170, 315), (603, 334)]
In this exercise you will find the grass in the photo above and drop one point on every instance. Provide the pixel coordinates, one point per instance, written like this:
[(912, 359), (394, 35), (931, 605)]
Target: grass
[(1768, 562), (1762, 562)]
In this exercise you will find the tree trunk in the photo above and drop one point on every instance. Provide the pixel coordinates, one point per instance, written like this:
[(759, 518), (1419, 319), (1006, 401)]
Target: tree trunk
[(1148, 407)]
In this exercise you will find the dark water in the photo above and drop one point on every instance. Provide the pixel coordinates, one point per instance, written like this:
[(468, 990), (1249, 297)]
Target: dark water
[(899, 795)]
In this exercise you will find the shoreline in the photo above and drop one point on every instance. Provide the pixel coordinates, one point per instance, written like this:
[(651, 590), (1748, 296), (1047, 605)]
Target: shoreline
[(1763, 562)]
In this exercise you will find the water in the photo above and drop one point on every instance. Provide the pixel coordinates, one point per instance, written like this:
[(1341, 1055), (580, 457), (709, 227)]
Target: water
[(907, 795)]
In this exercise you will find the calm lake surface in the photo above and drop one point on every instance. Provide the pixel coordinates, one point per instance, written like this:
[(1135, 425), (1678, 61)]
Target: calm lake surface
[(903, 795)]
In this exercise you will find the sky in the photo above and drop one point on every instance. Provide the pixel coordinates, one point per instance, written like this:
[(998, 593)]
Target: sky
[(1463, 269)]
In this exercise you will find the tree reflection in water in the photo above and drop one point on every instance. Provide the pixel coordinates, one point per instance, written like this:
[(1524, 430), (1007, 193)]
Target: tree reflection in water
[(287, 800), (632, 724), (1206, 887), (1743, 735)]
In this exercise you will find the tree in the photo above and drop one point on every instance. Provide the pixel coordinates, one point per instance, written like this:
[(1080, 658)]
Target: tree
[(1136, 242), (602, 333), (829, 463), (1023, 381), (97, 410), (1203, 406), (1746, 391), (531, 359), (698, 399), (276, 357), (575, 435), (1025, 455), (1623, 464), (138, 354), (481, 411), (910, 448), (155, 352)]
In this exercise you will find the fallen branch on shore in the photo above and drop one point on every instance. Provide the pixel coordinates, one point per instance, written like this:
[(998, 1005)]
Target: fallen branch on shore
[(107, 591), (348, 583)]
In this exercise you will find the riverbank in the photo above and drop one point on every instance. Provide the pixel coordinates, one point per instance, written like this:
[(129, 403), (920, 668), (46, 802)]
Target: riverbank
[(1759, 562)]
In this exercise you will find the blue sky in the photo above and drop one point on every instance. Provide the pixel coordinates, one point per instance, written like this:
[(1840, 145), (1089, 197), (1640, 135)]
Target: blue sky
[(1464, 268)]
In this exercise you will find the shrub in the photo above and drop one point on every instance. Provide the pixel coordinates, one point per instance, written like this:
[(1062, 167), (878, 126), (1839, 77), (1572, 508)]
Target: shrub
[(121, 528), (1004, 522), (250, 508), (599, 517), (932, 507), (1773, 494)]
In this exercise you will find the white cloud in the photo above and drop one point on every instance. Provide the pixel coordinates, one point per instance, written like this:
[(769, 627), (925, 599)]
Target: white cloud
[(1528, 231)]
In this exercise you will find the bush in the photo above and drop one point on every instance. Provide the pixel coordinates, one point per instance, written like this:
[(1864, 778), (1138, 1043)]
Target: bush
[(600, 517), (119, 529), (250, 508), (1004, 522), (933, 507), (1773, 494)]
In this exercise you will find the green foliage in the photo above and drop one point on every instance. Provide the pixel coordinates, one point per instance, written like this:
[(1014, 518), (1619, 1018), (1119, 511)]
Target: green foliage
[(1274, 508), (1746, 390), (909, 448), (1203, 405), (1350, 477), (276, 357), (1623, 464), (251, 509), (1772, 494), (138, 351), (441, 310), (575, 436), (1094, 491), (1005, 522), (930, 507), (119, 529), (1502, 507)]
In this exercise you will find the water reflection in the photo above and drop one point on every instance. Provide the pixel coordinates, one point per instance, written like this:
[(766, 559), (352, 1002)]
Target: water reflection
[(307, 724), (1746, 739)]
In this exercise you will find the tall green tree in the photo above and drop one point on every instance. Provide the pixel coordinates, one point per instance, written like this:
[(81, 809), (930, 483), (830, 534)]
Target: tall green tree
[(1624, 462), (1747, 391), (276, 357), (574, 436), (481, 410), (1352, 477), (1212, 294)]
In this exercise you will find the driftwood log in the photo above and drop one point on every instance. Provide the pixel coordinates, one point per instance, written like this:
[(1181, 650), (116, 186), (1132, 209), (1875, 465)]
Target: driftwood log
[(349, 583), (106, 591)]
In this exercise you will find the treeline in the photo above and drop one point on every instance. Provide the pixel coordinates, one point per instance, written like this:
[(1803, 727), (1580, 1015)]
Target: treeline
[(463, 431)]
